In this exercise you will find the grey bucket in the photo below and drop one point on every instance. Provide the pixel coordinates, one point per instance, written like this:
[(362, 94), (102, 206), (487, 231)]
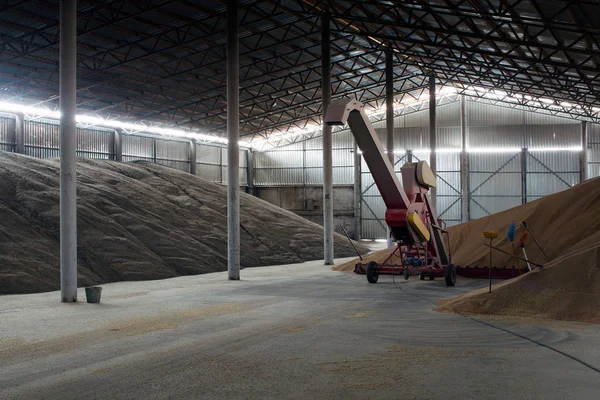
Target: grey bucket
[(93, 294)]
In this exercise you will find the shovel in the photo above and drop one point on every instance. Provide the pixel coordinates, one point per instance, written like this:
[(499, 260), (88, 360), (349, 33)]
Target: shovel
[(522, 244), (510, 234)]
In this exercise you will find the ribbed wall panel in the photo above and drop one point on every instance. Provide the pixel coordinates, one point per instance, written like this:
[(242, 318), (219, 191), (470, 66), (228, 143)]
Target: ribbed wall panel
[(209, 154), (242, 172), (543, 184), (556, 161), (138, 146), (417, 119), (501, 136), (314, 158), (343, 140), (594, 169), (180, 165), (7, 134), (447, 115), (448, 161), (482, 114), (593, 133), (448, 137), (41, 139), (98, 144), (491, 162), (534, 118), (553, 135), (278, 177), (209, 172), (243, 157), (172, 150)]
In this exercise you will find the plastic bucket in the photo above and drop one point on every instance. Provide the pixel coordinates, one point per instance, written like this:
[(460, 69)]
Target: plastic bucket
[(93, 294)]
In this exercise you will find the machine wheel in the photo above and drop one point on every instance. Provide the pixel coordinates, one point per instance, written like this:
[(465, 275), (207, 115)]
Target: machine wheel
[(422, 276), (450, 275), (431, 277), (406, 273), (372, 272)]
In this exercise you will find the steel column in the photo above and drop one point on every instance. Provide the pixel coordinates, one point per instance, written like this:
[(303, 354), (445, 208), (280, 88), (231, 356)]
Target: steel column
[(389, 103), (250, 171), (19, 134), (327, 143), (583, 156), (409, 156), (233, 152), (68, 148), (193, 162), (389, 118), (118, 145), (357, 193), (154, 150), (465, 189), (523, 176), (432, 136)]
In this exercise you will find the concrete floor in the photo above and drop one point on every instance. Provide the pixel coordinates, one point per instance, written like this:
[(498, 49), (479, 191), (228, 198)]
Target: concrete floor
[(290, 332)]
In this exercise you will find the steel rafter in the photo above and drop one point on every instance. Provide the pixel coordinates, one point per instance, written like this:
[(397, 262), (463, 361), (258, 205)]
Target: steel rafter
[(162, 61)]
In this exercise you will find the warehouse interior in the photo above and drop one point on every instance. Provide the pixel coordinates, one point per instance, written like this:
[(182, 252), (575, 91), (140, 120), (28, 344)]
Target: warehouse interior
[(180, 217)]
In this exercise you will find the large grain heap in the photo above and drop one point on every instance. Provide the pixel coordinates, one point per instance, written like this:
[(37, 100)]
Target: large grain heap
[(567, 225), (135, 222)]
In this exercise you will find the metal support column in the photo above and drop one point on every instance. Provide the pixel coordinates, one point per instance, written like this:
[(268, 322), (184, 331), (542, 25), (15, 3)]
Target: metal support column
[(233, 152), (154, 151), (68, 148), (389, 103), (118, 142), (409, 156), (193, 163), (357, 193), (19, 134), (583, 156), (250, 171), (432, 136), (465, 188), (523, 175), (327, 144), (389, 118)]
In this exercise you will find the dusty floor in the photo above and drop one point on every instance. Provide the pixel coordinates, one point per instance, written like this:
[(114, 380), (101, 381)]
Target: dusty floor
[(298, 331)]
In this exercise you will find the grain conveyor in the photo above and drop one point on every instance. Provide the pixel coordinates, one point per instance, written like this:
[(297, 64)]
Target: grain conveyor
[(410, 214)]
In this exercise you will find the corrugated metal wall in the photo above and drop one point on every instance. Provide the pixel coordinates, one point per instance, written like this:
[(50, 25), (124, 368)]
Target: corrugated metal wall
[(212, 164), (551, 172), (7, 134), (302, 163), (42, 138), (97, 144), (495, 178), (495, 182), (594, 150)]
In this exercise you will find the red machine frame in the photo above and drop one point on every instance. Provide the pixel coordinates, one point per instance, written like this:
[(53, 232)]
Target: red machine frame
[(405, 203)]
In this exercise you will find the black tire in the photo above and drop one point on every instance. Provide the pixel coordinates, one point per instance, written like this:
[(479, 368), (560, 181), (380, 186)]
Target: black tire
[(372, 272), (406, 273), (421, 276), (431, 277), (450, 275)]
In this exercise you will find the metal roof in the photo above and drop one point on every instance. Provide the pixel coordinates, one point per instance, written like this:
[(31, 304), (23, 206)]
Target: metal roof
[(163, 61)]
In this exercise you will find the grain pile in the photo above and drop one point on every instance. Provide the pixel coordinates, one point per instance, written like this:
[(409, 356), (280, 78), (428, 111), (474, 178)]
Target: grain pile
[(563, 223), (136, 222), (567, 288), (567, 225)]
